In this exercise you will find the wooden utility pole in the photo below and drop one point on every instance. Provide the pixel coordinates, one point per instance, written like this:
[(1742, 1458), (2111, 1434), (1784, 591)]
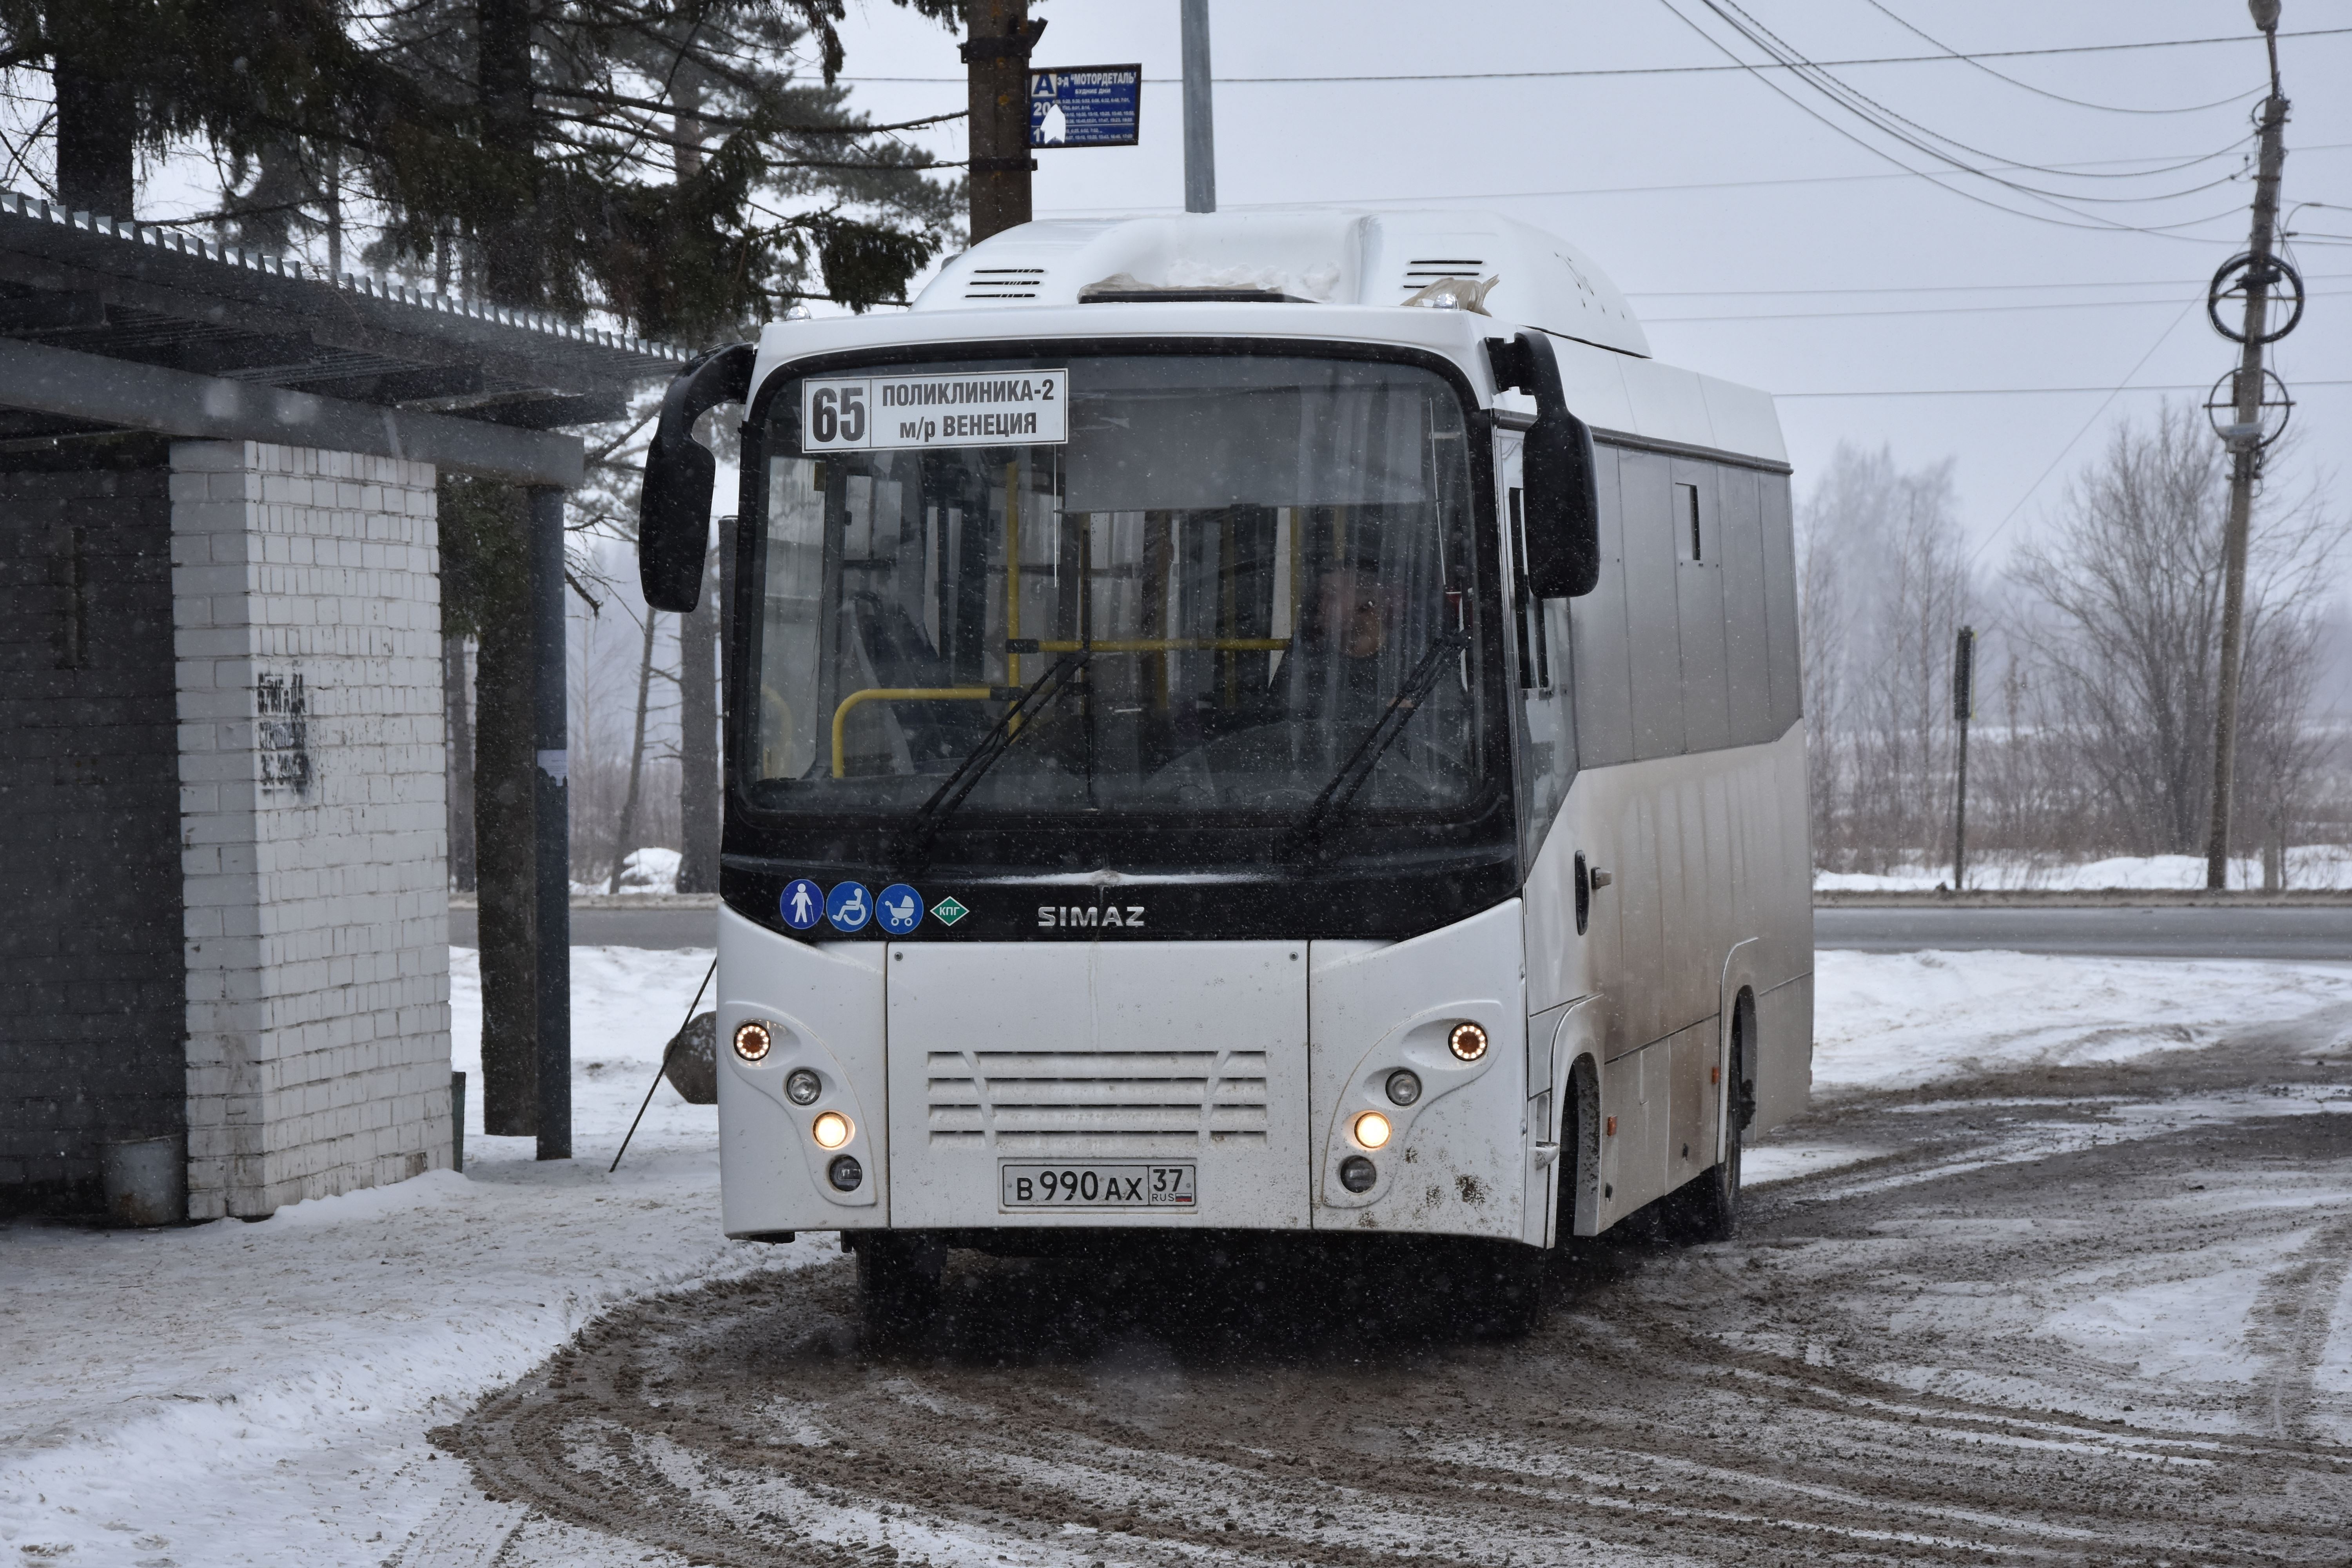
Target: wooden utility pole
[(2243, 436), (996, 56), (1964, 708)]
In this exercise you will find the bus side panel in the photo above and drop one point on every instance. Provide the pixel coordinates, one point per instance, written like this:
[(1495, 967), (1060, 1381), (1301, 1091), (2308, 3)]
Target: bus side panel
[(1457, 1161), (823, 1006), (1706, 852)]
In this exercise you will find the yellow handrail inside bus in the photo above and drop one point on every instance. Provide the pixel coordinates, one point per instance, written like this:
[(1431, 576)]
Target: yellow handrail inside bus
[(1166, 645), (898, 694)]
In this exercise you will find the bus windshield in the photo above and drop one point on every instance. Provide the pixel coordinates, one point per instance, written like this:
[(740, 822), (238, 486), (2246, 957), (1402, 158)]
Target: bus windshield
[(1232, 566)]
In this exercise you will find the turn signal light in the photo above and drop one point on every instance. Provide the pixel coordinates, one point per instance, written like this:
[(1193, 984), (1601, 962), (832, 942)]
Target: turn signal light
[(831, 1131), (751, 1040), (1467, 1042), (1373, 1130)]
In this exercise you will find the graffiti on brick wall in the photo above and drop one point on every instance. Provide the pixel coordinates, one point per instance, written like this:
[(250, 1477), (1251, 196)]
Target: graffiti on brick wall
[(285, 734)]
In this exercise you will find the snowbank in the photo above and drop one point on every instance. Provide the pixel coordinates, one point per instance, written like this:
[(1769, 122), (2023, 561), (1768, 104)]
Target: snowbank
[(1897, 1020), (642, 871), (2311, 866)]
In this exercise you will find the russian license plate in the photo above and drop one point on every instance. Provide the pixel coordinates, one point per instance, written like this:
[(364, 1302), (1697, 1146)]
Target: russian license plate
[(1139, 1186)]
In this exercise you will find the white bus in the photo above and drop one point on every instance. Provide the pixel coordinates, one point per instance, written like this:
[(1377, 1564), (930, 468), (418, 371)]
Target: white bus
[(1247, 723)]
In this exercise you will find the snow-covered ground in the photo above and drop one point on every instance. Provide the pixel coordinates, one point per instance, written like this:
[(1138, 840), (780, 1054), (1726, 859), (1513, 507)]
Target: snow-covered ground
[(231, 1393), (234, 1393), (2308, 867)]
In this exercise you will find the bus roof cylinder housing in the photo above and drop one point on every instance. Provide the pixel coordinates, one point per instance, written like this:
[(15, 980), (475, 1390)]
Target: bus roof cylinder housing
[(1563, 499), (674, 511)]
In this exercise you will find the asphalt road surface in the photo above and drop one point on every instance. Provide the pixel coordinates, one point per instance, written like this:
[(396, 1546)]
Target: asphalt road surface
[(2090, 1314), (2296, 931), (616, 928), (2300, 932)]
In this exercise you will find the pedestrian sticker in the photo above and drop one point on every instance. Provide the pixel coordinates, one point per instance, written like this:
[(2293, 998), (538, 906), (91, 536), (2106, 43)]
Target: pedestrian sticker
[(848, 907), (947, 912), (901, 909), (803, 903)]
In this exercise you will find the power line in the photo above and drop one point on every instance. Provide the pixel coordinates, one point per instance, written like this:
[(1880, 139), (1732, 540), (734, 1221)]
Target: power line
[(2044, 92), (1942, 287), (1891, 122), (1637, 190), (2103, 226), (2023, 391), (2161, 339), (1678, 70), (1931, 310)]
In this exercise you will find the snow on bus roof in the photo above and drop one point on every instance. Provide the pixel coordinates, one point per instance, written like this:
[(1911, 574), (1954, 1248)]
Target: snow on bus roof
[(1322, 257)]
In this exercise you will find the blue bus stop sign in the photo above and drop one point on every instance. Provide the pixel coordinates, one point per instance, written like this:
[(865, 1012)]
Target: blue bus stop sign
[(1085, 106)]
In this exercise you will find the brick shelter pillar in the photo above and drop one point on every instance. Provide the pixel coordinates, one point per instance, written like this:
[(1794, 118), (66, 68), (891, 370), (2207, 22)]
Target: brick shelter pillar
[(306, 603)]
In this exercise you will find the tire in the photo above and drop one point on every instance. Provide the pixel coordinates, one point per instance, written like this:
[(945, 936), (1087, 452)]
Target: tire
[(1707, 1209), (898, 1286)]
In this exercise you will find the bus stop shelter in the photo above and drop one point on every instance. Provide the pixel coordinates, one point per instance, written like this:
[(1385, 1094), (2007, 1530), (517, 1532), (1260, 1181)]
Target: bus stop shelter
[(222, 851)]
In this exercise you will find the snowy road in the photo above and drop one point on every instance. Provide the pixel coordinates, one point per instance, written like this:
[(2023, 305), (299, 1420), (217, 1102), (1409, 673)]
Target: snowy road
[(2057, 1268)]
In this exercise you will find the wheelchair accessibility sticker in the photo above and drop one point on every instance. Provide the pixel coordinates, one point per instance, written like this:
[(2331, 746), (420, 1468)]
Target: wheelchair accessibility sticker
[(848, 905)]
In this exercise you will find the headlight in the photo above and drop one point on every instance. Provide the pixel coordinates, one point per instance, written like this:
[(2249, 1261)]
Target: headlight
[(802, 1086), (751, 1040), (1467, 1042), (831, 1131), (1404, 1087), (1373, 1130)]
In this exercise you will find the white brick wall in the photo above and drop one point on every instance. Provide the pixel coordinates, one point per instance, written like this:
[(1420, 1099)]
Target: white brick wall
[(314, 848)]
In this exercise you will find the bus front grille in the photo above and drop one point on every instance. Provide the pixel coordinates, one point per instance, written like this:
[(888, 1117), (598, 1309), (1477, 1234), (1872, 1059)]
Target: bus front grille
[(1097, 1101)]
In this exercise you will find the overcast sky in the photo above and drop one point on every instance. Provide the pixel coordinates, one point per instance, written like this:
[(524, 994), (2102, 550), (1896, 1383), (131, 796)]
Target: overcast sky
[(1758, 242)]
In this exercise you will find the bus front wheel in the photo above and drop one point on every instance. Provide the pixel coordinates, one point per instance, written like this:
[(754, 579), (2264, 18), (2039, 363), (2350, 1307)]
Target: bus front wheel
[(898, 1285)]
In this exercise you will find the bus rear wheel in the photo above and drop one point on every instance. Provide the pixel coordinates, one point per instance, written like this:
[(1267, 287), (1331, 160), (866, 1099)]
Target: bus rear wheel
[(898, 1286), (1707, 1209)]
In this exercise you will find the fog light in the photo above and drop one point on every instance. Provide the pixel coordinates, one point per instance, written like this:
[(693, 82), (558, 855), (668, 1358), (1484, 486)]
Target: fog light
[(831, 1131), (751, 1040), (845, 1173), (1356, 1173), (804, 1086), (1404, 1087), (1373, 1130), (1467, 1042)]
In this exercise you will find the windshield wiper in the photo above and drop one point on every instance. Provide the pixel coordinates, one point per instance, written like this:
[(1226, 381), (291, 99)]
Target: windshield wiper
[(1357, 771), (1030, 702)]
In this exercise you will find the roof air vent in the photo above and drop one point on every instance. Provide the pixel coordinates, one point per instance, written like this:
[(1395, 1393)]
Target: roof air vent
[(1420, 274), (1003, 282)]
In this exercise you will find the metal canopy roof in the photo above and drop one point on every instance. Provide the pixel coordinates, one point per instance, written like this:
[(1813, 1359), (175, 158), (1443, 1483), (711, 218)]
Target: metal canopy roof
[(158, 297)]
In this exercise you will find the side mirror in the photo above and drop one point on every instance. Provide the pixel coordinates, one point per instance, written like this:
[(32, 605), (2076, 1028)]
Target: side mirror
[(1562, 509), (674, 507)]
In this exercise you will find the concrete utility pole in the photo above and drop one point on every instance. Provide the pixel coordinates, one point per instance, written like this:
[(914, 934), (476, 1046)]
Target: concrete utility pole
[(1199, 113), (996, 58), (2244, 440)]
